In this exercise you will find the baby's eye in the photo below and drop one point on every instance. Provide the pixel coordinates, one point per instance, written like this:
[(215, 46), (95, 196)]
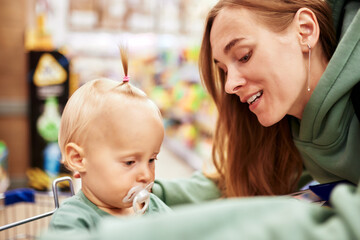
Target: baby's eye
[(129, 163), (152, 160), (246, 58)]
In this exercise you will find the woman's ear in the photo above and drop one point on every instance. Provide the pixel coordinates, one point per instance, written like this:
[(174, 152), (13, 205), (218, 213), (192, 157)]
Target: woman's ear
[(74, 157), (307, 27)]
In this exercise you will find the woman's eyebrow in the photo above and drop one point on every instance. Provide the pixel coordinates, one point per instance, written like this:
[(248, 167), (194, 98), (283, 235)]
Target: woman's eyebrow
[(231, 44)]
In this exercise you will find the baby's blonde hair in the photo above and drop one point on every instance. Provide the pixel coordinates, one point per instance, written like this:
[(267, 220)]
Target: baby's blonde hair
[(89, 102)]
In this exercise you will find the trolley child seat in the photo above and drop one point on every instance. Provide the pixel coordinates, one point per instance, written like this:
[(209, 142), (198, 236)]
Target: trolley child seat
[(29, 202)]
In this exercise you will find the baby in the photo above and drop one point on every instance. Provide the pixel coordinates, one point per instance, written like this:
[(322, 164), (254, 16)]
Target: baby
[(110, 134)]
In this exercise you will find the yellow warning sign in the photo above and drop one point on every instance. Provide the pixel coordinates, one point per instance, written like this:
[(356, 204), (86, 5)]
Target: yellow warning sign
[(49, 71)]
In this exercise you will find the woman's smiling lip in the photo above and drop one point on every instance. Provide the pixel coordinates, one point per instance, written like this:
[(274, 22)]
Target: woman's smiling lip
[(248, 97), (255, 103)]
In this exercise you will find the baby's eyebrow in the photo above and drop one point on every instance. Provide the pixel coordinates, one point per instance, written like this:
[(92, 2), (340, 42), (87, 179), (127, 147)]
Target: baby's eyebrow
[(129, 154)]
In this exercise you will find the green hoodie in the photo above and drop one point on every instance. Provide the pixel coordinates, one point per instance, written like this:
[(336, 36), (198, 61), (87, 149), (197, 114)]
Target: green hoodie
[(328, 136), (328, 139)]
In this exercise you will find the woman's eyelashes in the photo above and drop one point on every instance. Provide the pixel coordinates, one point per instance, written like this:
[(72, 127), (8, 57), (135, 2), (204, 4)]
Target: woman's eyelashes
[(246, 58), (225, 72), (222, 69)]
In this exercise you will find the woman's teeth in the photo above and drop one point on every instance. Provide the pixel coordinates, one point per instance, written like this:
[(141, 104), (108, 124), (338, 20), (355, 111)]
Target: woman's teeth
[(253, 98)]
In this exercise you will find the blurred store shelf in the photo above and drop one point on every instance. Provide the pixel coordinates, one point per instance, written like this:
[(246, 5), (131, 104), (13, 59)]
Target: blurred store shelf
[(169, 165), (183, 153)]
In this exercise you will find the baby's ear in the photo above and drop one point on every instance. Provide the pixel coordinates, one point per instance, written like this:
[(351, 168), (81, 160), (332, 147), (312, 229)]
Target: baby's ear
[(74, 157)]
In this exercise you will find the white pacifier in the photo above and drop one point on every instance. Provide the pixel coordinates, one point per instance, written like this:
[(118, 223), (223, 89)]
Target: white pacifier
[(139, 195)]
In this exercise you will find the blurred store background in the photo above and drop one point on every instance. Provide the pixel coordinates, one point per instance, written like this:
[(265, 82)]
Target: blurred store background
[(48, 48)]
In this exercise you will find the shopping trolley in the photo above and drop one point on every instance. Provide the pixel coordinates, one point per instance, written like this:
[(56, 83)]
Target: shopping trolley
[(24, 212)]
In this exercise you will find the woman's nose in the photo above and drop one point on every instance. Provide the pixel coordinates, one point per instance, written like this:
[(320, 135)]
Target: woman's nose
[(234, 81)]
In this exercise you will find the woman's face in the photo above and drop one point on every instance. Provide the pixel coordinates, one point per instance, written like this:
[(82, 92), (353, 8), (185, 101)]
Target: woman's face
[(267, 70)]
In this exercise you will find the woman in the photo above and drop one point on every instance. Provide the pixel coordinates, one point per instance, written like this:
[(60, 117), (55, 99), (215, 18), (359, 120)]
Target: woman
[(261, 68), (262, 61), (283, 97)]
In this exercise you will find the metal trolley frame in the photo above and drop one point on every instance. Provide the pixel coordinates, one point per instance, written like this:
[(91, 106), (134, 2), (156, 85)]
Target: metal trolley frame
[(37, 208)]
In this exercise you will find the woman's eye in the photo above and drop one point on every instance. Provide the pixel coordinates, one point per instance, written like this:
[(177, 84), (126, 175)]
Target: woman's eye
[(222, 70), (246, 58)]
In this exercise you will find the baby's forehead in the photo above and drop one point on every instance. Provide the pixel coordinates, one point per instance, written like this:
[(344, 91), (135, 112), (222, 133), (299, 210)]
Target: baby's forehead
[(124, 116), (125, 102), (129, 107)]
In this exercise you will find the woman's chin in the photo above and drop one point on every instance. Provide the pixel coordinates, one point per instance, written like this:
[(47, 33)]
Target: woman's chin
[(265, 121)]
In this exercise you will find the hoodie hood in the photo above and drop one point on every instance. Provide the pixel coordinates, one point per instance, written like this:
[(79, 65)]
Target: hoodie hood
[(328, 136)]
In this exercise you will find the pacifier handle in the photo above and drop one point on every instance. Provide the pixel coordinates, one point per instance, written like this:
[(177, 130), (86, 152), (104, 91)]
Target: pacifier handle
[(142, 197)]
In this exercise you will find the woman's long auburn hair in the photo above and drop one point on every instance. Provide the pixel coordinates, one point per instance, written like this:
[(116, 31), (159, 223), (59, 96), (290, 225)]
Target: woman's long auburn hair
[(251, 159)]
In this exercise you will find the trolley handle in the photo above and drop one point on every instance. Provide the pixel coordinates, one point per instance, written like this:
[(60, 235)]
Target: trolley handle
[(56, 202), (55, 189)]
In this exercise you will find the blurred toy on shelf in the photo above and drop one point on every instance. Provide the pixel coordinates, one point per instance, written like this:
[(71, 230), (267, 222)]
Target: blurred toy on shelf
[(38, 36), (162, 98), (40, 180), (48, 122), (4, 177), (48, 73)]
